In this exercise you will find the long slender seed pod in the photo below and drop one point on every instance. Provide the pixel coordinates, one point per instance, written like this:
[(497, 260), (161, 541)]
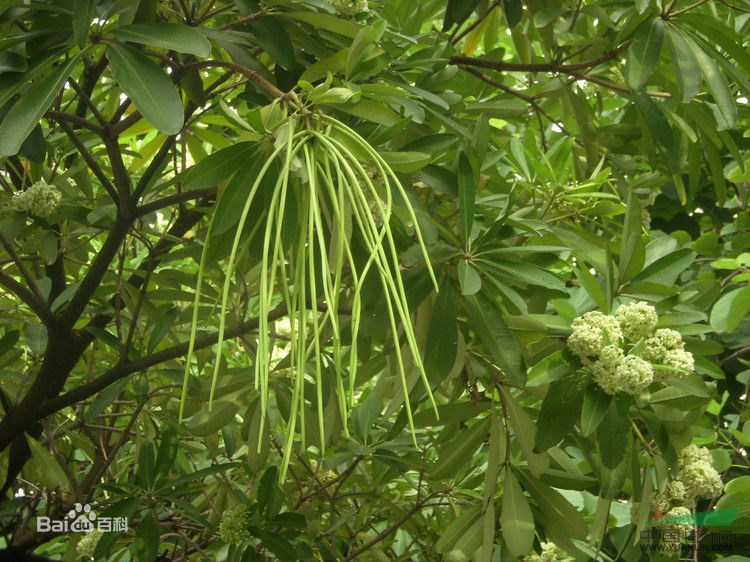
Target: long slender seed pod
[(398, 290)]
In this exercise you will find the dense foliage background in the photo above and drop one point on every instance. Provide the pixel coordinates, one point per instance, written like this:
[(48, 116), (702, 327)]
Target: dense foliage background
[(561, 158)]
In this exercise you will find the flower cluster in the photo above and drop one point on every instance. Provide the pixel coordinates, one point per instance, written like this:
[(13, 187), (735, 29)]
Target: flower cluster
[(625, 351), (349, 7), (87, 545), (667, 350), (697, 473), (41, 199), (696, 477), (637, 320), (592, 332), (233, 527), (550, 553)]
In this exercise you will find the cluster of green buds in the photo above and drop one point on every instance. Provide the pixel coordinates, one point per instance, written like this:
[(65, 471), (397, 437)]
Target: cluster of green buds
[(87, 545), (349, 7), (625, 352), (550, 553), (233, 527), (41, 200), (696, 477)]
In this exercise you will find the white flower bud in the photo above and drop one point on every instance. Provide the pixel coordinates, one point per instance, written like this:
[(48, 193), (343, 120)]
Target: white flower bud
[(637, 320), (592, 332), (41, 199)]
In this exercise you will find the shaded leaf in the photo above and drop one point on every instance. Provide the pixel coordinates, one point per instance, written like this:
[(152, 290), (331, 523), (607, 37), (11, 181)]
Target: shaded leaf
[(516, 520), (172, 36), (644, 52), (26, 113), (151, 90)]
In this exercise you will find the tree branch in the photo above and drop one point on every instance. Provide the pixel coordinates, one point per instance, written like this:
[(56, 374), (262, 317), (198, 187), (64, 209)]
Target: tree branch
[(129, 367), (40, 306), (504, 66), (251, 75), (170, 200), (87, 156)]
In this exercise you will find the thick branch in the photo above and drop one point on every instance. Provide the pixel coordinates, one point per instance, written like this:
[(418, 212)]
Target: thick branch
[(251, 75), (129, 367), (40, 303), (87, 156), (174, 199), (40, 308)]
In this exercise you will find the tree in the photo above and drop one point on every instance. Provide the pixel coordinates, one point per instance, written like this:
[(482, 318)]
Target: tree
[(302, 279)]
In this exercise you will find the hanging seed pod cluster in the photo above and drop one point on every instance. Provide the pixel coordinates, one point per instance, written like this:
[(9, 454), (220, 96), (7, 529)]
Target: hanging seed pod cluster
[(336, 188)]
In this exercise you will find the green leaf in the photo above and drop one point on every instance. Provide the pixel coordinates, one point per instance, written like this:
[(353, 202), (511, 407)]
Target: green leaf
[(525, 432), (559, 412), (147, 539), (644, 52), (205, 422), (233, 198), (560, 519), (146, 465), (730, 310), (275, 41), (716, 82), (467, 184), (468, 278), (50, 473), (83, 14), (513, 12), (595, 405), (460, 527), (450, 413), (668, 268), (659, 129), (516, 520), (31, 107), (442, 337), (12, 62), (406, 162), (151, 90), (610, 436), (686, 68), (459, 454), (172, 36), (8, 340), (325, 21), (457, 12), (496, 336), (527, 273), (632, 252), (220, 165)]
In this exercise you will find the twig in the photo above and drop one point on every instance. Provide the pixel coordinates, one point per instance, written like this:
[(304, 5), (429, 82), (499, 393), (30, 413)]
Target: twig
[(41, 304)]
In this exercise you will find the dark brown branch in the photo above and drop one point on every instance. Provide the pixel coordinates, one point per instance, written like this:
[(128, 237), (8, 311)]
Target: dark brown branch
[(80, 122), (86, 100), (242, 21), (251, 75), (89, 158), (156, 164), (504, 66), (170, 200), (394, 527), (513, 92), (96, 271), (129, 367), (39, 308)]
